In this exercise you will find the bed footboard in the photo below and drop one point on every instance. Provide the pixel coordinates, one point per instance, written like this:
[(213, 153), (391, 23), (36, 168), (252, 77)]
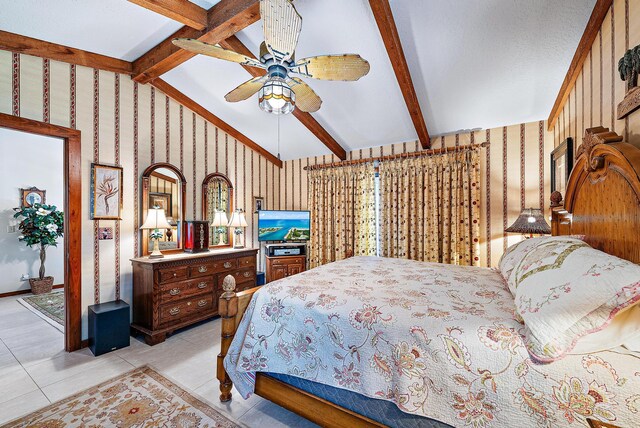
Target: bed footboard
[(231, 308)]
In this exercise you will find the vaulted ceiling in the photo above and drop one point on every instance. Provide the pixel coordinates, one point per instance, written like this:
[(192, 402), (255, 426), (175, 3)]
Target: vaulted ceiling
[(474, 64)]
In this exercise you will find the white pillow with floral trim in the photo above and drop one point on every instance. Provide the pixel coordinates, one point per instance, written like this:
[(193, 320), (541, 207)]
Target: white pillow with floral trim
[(566, 290), (514, 255)]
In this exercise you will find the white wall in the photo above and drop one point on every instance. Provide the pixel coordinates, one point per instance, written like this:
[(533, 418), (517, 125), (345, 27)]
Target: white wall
[(28, 160)]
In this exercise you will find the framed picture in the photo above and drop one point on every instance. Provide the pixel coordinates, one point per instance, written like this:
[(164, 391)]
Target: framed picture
[(31, 196), (105, 233), (258, 203), (163, 201), (561, 165), (106, 192)]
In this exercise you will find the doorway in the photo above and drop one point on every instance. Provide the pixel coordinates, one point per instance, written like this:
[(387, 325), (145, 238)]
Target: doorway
[(71, 207)]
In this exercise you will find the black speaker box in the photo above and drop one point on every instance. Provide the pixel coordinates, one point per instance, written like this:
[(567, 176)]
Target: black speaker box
[(108, 327)]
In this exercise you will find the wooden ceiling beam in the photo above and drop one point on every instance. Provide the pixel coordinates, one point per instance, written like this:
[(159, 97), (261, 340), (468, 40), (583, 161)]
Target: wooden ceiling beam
[(183, 11), (600, 11), (234, 44), (29, 46), (384, 18), (189, 103), (223, 20)]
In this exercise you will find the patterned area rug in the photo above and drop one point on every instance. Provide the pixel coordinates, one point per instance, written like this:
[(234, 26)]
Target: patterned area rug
[(139, 398), (49, 307)]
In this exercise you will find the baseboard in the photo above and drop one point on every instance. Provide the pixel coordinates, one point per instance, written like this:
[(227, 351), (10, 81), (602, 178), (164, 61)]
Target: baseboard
[(16, 293)]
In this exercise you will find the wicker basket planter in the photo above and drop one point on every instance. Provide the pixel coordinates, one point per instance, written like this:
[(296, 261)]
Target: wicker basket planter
[(41, 286)]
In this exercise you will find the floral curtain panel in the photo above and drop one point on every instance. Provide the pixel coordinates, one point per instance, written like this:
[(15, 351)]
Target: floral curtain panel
[(343, 216), (430, 208)]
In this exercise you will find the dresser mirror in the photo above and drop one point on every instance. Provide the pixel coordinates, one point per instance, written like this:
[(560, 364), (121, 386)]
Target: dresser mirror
[(217, 206), (164, 187)]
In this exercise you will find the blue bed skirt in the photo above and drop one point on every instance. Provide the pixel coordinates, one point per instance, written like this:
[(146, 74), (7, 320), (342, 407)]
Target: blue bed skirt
[(381, 411)]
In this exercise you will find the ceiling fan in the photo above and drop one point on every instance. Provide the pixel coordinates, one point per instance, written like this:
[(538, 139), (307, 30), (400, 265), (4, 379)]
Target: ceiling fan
[(280, 90)]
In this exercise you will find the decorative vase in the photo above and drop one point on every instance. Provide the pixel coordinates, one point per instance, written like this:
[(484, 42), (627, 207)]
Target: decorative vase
[(41, 286)]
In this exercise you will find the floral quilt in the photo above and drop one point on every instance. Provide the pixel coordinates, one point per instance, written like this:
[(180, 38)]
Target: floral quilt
[(437, 340)]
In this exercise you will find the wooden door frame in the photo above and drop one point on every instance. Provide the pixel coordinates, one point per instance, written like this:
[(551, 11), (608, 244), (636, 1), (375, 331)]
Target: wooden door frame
[(72, 218)]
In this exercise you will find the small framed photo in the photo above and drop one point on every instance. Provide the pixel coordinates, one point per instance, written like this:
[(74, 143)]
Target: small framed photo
[(258, 203), (105, 233), (106, 192), (31, 196), (561, 165)]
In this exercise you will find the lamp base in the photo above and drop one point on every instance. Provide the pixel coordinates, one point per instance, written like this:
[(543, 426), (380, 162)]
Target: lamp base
[(238, 242), (156, 254)]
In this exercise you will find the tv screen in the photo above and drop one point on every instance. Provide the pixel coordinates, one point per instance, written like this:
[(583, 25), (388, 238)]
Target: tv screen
[(284, 225)]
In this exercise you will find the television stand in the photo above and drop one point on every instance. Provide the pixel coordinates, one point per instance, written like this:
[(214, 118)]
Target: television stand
[(279, 267)]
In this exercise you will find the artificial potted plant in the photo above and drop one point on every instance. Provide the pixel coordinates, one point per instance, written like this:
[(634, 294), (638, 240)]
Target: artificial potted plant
[(41, 225)]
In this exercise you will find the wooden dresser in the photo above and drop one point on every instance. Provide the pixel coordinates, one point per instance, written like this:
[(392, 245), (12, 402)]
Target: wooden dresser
[(182, 289), (284, 266)]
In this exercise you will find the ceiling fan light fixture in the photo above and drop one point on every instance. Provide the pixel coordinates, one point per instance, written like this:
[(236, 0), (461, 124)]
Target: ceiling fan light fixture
[(276, 97)]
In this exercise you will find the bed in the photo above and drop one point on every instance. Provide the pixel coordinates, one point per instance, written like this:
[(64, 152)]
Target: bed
[(371, 341)]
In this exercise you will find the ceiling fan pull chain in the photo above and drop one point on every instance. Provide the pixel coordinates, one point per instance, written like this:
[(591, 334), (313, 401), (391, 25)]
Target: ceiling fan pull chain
[(278, 116)]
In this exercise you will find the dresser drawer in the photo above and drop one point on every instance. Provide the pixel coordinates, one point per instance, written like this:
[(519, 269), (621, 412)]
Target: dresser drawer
[(170, 312), (242, 275), (180, 290), (244, 262), (209, 268), (173, 274)]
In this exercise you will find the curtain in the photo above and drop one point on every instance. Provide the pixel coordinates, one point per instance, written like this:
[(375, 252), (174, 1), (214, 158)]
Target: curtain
[(343, 213), (430, 208)]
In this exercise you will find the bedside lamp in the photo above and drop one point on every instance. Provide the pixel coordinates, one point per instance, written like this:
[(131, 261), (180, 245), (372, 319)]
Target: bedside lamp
[(238, 222), (155, 220), (219, 221), (530, 222)]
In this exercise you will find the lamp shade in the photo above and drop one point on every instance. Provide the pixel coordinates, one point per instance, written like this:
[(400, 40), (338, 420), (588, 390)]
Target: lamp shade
[(238, 220), (156, 220), (531, 221), (220, 219)]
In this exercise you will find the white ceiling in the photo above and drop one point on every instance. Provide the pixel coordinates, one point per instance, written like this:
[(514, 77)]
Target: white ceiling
[(474, 64)]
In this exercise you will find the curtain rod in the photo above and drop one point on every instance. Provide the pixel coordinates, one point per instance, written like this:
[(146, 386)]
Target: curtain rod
[(430, 152)]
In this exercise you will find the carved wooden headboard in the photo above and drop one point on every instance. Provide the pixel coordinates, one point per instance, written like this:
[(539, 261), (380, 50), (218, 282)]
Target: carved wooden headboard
[(602, 200)]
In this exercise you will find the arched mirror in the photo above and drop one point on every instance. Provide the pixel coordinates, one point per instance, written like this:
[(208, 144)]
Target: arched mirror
[(164, 187), (217, 206)]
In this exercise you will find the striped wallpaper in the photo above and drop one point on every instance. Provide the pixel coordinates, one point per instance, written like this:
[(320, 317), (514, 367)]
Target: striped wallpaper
[(595, 96), (514, 170), (133, 125)]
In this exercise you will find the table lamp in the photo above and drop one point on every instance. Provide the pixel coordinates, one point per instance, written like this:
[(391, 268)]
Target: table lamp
[(155, 220), (238, 222), (530, 222), (220, 220)]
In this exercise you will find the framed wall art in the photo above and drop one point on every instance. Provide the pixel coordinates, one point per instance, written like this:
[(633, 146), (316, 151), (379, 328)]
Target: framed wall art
[(163, 201), (31, 196), (106, 192), (258, 203), (561, 165)]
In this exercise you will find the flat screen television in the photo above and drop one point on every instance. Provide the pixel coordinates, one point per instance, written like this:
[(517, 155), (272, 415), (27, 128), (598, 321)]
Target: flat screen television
[(284, 225)]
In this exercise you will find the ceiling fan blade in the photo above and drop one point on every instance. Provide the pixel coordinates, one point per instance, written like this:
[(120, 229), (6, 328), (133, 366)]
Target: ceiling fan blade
[(245, 90), (196, 46), (306, 99), (347, 67), (281, 24)]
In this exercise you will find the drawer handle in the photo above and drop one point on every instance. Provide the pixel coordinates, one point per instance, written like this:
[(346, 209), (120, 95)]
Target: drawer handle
[(227, 265), (247, 274), (174, 291), (202, 269), (202, 285), (202, 303), (175, 274), (174, 311)]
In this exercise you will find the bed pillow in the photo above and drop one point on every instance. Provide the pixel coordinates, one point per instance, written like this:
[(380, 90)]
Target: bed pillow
[(515, 254), (564, 291), (624, 330)]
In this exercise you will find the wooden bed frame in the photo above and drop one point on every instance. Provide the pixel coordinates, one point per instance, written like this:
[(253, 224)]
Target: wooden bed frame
[(602, 203)]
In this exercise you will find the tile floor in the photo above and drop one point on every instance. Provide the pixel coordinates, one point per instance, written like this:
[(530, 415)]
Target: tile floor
[(35, 370)]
